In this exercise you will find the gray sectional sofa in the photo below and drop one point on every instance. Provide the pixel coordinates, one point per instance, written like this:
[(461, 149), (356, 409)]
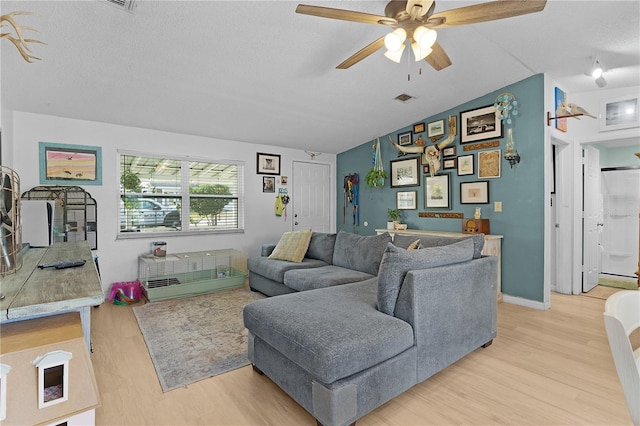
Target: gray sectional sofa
[(343, 350), (330, 260)]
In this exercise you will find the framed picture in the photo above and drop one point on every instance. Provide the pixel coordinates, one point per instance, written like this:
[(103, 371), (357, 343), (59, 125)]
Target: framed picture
[(425, 169), (474, 192), (435, 128), (449, 163), (449, 151), (489, 164), (479, 124), (418, 128), (405, 138), (62, 164), (560, 98), (437, 191), (620, 113), (407, 200), (267, 164), (465, 165), (405, 172), (268, 184)]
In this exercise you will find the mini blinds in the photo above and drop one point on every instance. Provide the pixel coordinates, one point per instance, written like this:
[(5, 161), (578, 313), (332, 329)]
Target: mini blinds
[(177, 195)]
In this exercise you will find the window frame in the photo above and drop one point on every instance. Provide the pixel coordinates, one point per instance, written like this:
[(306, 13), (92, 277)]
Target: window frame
[(185, 195)]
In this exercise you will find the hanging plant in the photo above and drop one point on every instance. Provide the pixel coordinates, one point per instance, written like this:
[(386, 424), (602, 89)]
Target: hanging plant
[(376, 176)]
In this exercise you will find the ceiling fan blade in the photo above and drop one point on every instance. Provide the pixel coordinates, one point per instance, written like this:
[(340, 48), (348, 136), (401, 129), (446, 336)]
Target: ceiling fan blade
[(484, 12), (344, 15), (361, 54), (421, 7), (438, 58)]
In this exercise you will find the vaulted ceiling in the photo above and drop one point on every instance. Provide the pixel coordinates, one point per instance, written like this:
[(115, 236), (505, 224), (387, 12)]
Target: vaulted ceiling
[(255, 71)]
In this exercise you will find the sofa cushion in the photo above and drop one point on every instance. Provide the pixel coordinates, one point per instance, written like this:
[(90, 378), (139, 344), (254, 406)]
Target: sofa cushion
[(362, 253), (325, 276), (292, 246), (333, 332), (397, 261), (321, 246), (275, 269), (440, 240)]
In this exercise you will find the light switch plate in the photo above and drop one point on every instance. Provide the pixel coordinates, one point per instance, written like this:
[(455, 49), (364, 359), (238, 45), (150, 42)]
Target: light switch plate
[(497, 206)]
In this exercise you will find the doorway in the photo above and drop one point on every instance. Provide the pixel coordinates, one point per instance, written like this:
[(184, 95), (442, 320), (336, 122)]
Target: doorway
[(621, 207), (312, 206)]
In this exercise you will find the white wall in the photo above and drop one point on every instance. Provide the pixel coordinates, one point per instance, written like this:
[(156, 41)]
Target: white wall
[(588, 129), (118, 258)]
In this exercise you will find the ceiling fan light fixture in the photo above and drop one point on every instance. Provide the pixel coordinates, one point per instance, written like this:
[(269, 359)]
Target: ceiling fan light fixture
[(601, 82), (395, 55), (418, 52), (395, 40), (425, 37)]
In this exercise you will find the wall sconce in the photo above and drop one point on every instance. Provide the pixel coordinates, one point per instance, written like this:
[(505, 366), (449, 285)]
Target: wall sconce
[(507, 107)]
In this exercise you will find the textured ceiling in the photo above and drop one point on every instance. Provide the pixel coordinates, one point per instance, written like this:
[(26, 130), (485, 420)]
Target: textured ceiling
[(255, 71)]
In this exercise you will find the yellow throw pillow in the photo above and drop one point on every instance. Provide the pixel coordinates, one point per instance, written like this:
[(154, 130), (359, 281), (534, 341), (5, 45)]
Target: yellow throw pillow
[(292, 246), (415, 245)]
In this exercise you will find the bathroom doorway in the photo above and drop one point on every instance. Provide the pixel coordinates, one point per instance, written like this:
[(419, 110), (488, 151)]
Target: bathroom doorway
[(620, 227)]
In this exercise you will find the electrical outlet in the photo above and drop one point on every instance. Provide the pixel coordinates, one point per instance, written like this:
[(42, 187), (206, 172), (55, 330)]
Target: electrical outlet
[(497, 206)]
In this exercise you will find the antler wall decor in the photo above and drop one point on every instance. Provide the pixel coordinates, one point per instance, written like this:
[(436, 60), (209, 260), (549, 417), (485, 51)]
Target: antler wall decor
[(18, 40), (432, 152)]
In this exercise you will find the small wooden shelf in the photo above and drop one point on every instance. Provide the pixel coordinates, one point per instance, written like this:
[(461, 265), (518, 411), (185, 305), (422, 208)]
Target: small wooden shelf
[(549, 117)]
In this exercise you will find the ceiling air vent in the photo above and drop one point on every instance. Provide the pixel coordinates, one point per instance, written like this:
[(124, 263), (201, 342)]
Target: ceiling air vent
[(404, 98), (128, 5)]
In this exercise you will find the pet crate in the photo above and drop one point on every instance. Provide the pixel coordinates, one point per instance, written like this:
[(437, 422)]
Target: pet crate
[(188, 274)]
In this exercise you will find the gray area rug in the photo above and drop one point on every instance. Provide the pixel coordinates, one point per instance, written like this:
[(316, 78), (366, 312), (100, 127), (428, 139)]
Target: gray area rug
[(194, 338)]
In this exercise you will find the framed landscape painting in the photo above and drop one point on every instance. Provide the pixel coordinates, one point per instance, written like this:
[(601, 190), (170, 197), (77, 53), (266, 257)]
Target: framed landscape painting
[(64, 164), (437, 191), (480, 124)]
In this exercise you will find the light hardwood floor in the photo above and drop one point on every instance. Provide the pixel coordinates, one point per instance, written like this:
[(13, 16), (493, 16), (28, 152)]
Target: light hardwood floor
[(545, 368)]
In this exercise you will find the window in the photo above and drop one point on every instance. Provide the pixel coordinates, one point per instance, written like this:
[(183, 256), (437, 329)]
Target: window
[(163, 195)]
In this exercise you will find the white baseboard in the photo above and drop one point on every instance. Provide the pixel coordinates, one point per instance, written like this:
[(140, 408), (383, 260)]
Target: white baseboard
[(527, 303)]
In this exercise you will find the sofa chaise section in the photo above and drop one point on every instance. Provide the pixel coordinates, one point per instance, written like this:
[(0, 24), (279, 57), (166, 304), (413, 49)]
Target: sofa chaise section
[(339, 356)]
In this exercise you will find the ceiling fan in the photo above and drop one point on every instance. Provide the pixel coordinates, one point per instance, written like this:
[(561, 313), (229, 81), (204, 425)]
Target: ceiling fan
[(414, 20)]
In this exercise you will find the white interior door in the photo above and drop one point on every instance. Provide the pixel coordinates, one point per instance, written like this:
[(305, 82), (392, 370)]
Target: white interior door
[(592, 214), (311, 196)]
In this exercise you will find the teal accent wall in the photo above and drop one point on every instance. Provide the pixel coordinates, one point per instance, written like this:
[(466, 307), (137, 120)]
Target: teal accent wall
[(521, 190), (624, 156)]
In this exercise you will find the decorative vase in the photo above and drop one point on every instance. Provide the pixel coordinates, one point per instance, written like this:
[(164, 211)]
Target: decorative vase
[(391, 225)]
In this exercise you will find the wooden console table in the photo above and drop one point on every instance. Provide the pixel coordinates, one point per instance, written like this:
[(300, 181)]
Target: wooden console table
[(33, 292), (492, 245)]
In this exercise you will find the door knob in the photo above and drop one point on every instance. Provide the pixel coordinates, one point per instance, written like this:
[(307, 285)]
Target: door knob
[(295, 223)]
